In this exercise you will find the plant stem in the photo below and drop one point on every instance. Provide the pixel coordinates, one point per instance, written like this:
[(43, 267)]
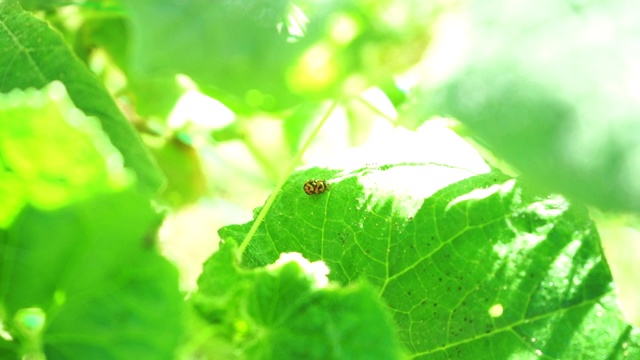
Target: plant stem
[(292, 166), (371, 107)]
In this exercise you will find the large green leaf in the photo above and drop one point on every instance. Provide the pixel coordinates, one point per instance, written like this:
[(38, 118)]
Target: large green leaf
[(81, 282), (550, 86), (34, 55), (476, 267)]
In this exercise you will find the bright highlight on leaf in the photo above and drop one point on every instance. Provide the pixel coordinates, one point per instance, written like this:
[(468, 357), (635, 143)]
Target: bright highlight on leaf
[(496, 310), (52, 153), (317, 270), (30, 321)]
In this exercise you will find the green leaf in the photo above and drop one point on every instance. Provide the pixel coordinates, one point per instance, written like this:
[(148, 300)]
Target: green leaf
[(52, 154), (34, 55), (87, 272), (550, 87), (477, 267), (110, 31), (226, 47), (287, 310), (269, 55)]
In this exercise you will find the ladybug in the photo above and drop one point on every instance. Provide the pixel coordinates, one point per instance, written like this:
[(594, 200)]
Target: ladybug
[(313, 187)]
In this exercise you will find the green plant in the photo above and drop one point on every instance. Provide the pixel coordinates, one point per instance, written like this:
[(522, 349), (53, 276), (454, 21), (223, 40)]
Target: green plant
[(413, 247)]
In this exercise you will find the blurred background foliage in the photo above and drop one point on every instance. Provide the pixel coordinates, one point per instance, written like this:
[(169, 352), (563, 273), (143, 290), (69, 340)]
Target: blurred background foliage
[(196, 75), (225, 92)]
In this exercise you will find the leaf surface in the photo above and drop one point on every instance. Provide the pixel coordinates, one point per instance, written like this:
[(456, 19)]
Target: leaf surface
[(102, 292), (286, 310), (481, 267), (34, 55), (79, 277)]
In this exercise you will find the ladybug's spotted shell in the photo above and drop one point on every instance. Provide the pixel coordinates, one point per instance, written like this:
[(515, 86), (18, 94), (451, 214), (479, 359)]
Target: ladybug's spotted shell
[(312, 187)]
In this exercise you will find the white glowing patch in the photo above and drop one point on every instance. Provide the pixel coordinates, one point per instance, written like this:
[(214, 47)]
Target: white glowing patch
[(317, 270), (4, 334), (496, 310), (480, 194), (201, 110), (344, 28)]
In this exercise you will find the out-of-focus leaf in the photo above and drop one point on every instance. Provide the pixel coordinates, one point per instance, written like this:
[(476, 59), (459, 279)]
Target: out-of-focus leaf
[(34, 55), (52, 154), (111, 32), (101, 292), (234, 46), (181, 164), (248, 54), (551, 87)]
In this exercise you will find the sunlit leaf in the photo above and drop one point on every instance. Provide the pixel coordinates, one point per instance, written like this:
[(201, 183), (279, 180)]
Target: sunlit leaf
[(480, 267), (288, 311), (52, 153), (34, 55)]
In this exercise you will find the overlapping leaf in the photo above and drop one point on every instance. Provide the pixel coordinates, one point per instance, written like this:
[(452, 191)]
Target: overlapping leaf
[(101, 290), (288, 311), (33, 55), (79, 276)]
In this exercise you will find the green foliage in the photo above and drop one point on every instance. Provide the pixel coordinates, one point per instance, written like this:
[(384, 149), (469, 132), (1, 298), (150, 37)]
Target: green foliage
[(73, 228), (557, 102), (87, 269), (52, 153), (287, 311), (417, 249), (268, 55), (33, 55), (478, 269)]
